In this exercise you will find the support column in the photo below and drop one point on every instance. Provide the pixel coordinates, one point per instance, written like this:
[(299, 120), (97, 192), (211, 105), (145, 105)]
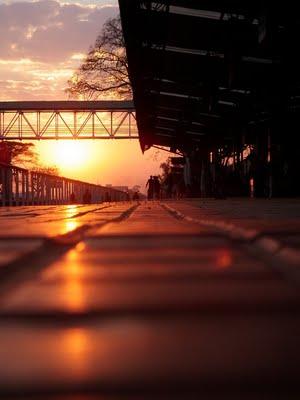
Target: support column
[(9, 186), (42, 189), (269, 164), (23, 187), (17, 193), (27, 188), (3, 182), (32, 188), (38, 186)]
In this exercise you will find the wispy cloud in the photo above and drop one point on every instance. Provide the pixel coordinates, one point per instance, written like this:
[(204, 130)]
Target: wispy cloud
[(43, 41)]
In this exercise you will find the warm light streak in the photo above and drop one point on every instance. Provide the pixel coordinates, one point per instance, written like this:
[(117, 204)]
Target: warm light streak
[(224, 259), (70, 225), (108, 161), (75, 344), (78, 56), (71, 210), (80, 247), (74, 295), (72, 256), (76, 340)]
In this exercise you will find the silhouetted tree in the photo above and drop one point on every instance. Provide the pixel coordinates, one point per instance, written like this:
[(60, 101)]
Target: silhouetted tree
[(21, 153), (166, 169), (24, 155), (104, 73), (46, 170), (36, 183)]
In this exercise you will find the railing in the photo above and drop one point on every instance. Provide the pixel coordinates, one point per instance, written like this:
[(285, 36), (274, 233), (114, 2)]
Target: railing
[(19, 186)]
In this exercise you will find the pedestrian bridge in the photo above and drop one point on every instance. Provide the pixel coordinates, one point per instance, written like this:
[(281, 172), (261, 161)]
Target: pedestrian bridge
[(44, 120)]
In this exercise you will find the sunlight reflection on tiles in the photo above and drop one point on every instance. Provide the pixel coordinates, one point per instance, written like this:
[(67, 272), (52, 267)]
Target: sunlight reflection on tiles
[(224, 258), (75, 344), (74, 294), (81, 246), (70, 225), (71, 210)]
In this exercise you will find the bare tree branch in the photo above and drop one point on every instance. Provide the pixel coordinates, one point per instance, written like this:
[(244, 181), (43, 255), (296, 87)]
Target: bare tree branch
[(104, 73)]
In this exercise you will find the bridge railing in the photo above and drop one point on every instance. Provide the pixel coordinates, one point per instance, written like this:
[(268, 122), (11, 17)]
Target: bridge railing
[(19, 186), (67, 120)]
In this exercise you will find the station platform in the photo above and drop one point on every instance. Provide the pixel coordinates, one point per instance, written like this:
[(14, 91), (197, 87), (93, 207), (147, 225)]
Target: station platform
[(182, 299)]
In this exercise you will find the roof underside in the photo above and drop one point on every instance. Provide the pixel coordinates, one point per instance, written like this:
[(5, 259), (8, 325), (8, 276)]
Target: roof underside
[(203, 71)]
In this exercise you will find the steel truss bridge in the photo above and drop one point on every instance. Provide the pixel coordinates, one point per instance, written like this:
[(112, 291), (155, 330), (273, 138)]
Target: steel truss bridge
[(44, 120)]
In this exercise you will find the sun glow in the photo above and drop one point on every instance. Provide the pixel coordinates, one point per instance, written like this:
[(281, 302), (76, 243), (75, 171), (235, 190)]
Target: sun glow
[(116, 162), (70, 154)]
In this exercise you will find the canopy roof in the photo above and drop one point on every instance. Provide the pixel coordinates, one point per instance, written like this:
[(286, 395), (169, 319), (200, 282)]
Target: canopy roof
[(202, 71)]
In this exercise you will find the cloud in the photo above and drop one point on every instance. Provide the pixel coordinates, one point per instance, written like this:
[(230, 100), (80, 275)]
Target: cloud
[(49, 30), (44, 41), (25, 79)]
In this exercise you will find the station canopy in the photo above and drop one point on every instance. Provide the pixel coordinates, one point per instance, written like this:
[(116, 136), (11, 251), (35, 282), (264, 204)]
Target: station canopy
[(203, 71)]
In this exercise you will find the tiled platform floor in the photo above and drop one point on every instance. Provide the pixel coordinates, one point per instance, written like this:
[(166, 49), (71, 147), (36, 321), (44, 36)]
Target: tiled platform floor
[(191, 299)]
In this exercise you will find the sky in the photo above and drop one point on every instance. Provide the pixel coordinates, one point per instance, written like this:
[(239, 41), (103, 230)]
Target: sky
[(42, 43)]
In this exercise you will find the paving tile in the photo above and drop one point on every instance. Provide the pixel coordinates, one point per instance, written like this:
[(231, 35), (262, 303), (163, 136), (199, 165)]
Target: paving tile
[(281, 215), (159, 242), (151, 219), (150, 303), (54, 221), (76, 296), (146, 353), (165, 257), (12, 249), (291, 240), (147, 271)]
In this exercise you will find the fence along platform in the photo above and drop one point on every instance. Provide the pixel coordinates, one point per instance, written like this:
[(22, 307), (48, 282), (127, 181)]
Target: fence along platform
[(19, 186)]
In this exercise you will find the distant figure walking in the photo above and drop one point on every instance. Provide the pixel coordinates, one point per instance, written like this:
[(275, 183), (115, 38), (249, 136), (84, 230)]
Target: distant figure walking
[(175, 190), (150, 186), (107, 197), (156, 187), (135, 196), (87, 197), (72, 198)]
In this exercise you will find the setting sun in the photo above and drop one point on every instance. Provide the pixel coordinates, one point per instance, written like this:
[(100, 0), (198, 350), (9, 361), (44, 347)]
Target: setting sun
[(101, 161), (70, 154)]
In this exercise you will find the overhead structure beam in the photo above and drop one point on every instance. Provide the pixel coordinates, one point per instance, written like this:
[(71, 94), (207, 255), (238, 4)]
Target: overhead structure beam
[(47, 120), (206, 69)]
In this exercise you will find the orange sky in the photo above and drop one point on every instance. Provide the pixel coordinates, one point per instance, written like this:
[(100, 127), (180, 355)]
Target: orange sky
[(42, 43), (117, 162)]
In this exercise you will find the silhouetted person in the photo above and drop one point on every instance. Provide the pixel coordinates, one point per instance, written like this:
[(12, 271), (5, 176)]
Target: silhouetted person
[(150, 185), (169, 186), (72, 198), (175, 190), (156, 187), (135, 196), (87, 197), (107, 197), (219, 189)]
